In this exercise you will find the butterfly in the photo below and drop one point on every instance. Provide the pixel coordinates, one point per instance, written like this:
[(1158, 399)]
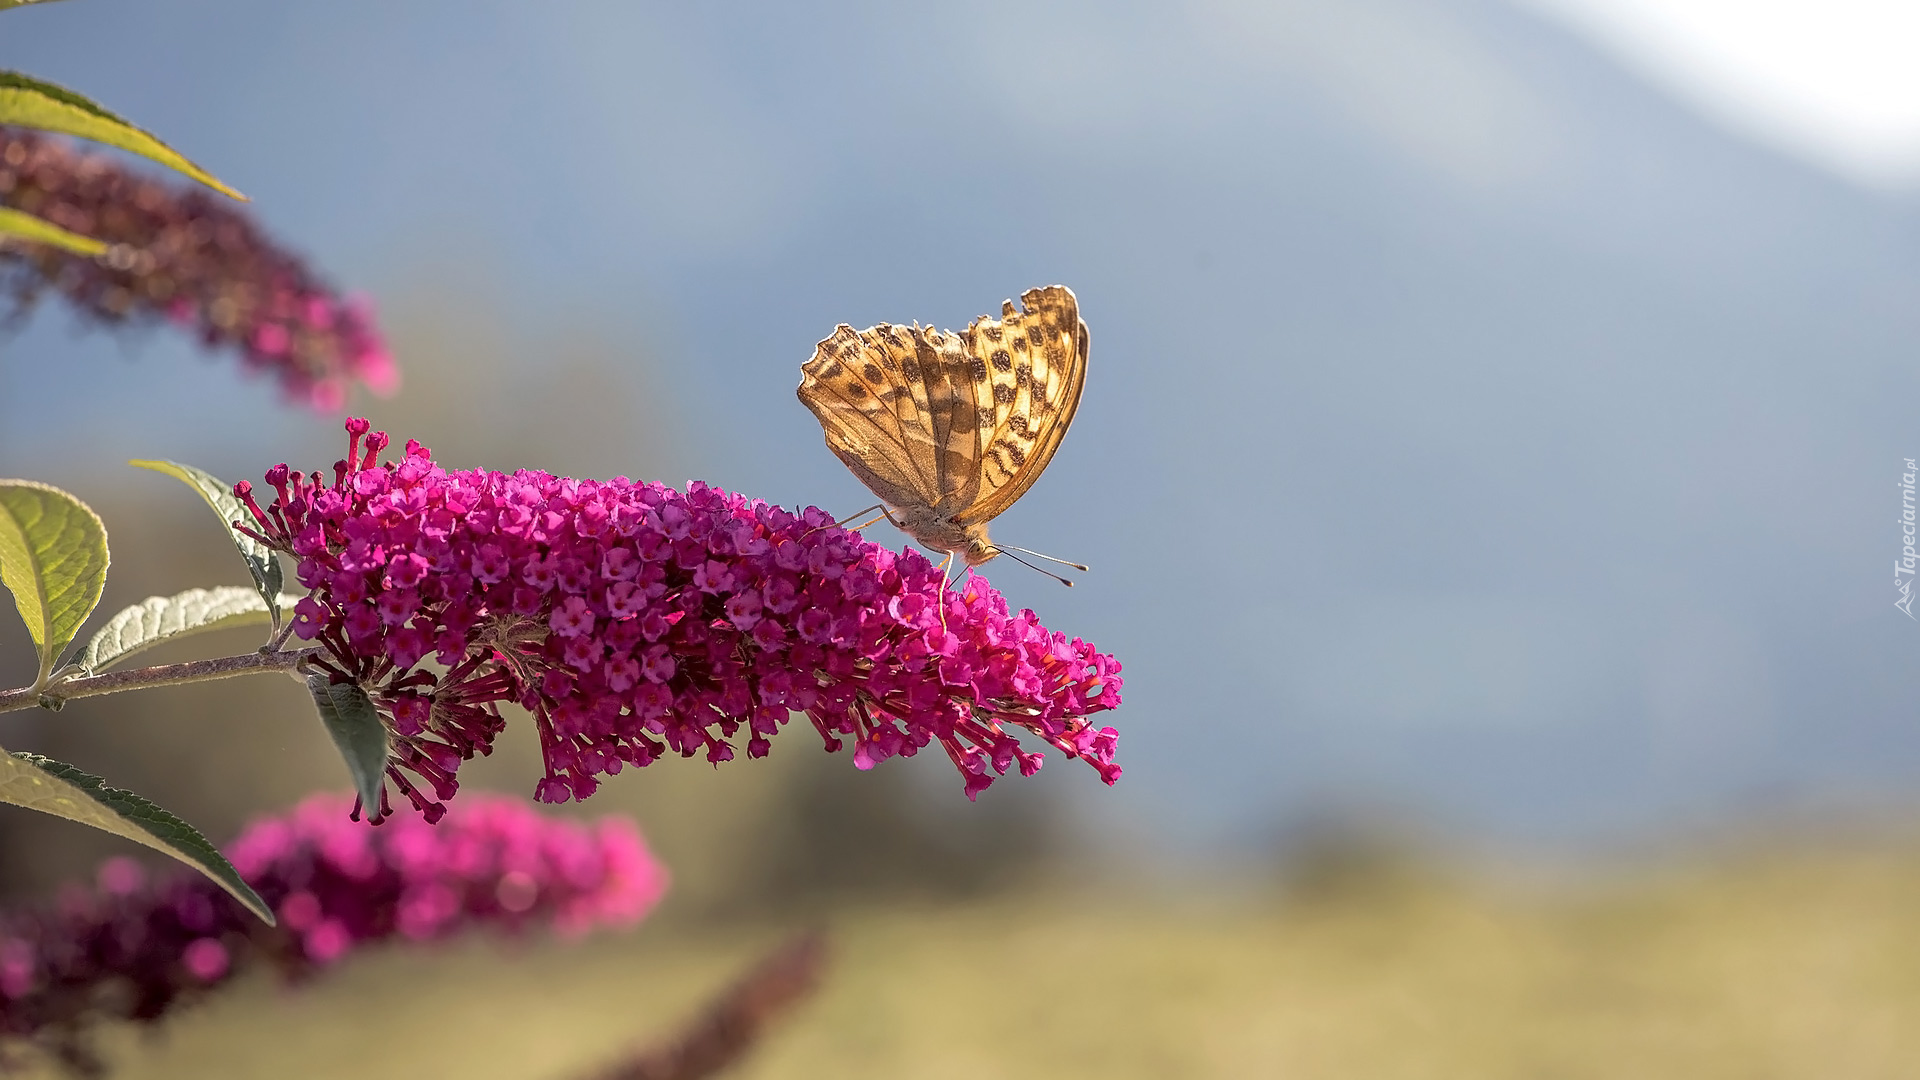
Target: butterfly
[(949, 428)]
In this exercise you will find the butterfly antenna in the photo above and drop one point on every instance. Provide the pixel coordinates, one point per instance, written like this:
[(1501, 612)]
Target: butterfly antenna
[(1008, 552), (1049, 558)]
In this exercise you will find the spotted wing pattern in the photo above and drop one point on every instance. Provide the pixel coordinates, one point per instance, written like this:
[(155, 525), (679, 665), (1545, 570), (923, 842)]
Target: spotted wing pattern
[(962, 423), (887, 404), (1035, 363)]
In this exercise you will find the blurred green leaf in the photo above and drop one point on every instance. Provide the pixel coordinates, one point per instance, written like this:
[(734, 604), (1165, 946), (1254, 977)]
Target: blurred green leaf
[(262, 562), (356, 729), (30, 102), (56, 788), (20, 224), (5, 4), (163, 618), (53, 558)]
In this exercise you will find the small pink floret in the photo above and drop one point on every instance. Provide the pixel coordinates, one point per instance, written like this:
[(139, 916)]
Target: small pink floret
[(206, 959)]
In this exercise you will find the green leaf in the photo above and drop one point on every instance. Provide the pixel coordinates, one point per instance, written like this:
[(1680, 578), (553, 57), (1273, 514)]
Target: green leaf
[(5, 4), (56, 788), (163, 618), (356, 729), (29, 102), (53, 558), (20, 224), (262, 561)]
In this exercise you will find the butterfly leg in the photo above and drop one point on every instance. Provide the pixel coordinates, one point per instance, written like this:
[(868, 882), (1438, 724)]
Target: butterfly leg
[(842, 523)]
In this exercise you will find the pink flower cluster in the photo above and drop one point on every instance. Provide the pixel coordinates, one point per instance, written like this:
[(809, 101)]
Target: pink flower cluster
[(130, 949), (632, 619), (188, 256)]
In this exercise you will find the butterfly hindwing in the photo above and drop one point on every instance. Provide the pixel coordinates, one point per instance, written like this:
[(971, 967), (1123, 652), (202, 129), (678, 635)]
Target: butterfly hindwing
[(861, 388), (1036, 364)]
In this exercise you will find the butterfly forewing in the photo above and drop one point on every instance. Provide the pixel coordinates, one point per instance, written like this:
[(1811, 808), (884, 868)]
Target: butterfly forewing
[(962, 423), (863, 388)]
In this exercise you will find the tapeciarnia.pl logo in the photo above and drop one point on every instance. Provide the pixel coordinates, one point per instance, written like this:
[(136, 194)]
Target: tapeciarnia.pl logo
[(1904, 565)]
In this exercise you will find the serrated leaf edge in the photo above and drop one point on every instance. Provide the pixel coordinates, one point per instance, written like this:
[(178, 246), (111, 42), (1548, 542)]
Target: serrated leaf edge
[(263, 563), (128, 136), (327, 697), (138, 812), (218, 596), (50, 650), (20, 225)]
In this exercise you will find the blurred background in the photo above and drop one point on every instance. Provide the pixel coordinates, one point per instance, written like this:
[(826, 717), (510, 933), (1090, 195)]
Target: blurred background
[(1489, 465)]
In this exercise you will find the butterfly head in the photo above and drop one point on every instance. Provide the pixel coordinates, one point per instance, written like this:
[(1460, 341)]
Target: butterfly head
[(979, 548), (937, 529), (970, 541)]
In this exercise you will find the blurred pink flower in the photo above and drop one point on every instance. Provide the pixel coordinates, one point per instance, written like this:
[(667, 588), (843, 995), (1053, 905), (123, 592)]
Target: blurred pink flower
[(188, 257), (128, 949)]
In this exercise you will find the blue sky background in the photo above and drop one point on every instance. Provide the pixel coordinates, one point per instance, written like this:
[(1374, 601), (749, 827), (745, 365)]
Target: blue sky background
[(1472, 429)]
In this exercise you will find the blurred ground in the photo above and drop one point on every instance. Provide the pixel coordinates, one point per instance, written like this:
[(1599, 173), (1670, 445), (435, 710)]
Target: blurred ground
[(1786, 964)]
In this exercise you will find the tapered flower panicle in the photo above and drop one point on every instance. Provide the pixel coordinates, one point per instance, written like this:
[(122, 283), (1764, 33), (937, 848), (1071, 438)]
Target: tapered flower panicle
[(634, 620), (130, 949), (183, 255)]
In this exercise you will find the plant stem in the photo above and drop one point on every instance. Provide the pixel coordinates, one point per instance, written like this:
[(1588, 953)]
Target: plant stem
[(224, 667)]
